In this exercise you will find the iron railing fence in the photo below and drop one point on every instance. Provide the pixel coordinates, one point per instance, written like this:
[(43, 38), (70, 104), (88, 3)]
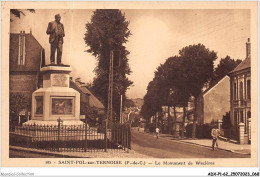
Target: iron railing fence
[(75, 138)]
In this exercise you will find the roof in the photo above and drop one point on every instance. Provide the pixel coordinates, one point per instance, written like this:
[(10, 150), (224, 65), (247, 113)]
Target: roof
[(93, 101), (243, 65), (210, 88)]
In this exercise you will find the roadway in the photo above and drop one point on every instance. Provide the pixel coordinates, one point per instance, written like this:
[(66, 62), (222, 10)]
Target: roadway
[(147, 144)]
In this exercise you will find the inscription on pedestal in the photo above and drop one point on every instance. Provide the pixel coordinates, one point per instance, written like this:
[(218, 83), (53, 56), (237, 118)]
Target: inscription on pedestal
[(60, 80)]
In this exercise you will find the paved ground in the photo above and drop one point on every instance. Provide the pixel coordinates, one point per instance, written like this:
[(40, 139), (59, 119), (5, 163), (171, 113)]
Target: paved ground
[(224, 145), (239, 148), (20, 152), (167, 147)]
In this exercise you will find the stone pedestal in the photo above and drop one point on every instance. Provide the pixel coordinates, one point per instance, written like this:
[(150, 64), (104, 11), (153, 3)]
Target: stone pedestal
[(55, 100), (249, 129), (241, 133), (220, 125)]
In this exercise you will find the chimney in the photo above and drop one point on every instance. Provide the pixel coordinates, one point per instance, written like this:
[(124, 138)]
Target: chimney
[(30, 31), (248, 49)]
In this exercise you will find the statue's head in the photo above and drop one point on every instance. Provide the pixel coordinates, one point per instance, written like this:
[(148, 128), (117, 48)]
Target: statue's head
[(57, 17)]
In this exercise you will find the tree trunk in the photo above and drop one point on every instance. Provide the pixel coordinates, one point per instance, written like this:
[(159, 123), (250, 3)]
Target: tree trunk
[(169, 121), (183, 121), (160, 122), (175, 120), (155, 120), (194, 119)]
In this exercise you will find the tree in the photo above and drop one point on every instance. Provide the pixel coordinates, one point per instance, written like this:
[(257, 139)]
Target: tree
[(129, 103), (152, 101), (18, 102), (17, 12), (225, 66), (180, 94), (107, 31), (197, 66), (179, 78)]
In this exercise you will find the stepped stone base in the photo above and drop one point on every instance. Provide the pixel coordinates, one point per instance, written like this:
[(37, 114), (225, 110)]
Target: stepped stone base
[(54, 123)]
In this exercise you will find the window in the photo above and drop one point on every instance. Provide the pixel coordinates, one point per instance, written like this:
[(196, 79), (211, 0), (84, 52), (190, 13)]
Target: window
[(235, 91), (241, 116), (235, 117), (248, 86), (248, 114), (241, 90), (21, 52)]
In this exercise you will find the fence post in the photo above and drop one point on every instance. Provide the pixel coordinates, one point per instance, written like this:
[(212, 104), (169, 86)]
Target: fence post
[(241, 133), (249, 129), (86, 132), (59, 121), (106, 135), (220, 125), (129, 134)]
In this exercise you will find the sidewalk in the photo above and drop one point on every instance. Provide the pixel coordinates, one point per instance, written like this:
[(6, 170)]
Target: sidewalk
[(96, 154), (223, 145)]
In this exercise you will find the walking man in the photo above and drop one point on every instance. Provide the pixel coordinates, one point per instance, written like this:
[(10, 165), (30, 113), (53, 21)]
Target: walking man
[(56, 31), (215, 134)]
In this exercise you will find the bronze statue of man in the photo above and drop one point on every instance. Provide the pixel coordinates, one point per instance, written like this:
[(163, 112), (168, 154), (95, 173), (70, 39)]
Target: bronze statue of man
[(56, 31)]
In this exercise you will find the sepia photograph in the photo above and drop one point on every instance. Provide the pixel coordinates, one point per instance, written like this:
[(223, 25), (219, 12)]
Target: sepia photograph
[(159, 85)]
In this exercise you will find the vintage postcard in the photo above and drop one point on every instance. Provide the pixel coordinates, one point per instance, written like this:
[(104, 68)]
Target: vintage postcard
[(129, 84)]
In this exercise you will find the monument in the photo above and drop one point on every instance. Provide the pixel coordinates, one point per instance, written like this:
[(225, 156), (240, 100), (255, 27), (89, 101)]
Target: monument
[(56, 31), (56, 100)]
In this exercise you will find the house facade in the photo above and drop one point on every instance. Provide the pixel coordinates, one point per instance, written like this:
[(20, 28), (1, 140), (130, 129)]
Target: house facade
[(25, 57), (214, 102), (240, 94)]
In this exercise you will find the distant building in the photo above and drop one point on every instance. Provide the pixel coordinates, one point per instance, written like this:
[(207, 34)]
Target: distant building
[(240, 97), (86, 98), (214, 102), (25, 57)]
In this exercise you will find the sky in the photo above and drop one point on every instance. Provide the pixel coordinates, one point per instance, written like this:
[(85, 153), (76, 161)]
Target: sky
[(156, 36)]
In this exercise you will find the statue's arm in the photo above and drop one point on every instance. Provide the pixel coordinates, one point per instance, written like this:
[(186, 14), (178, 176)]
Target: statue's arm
[(49, 29), (63, 30)]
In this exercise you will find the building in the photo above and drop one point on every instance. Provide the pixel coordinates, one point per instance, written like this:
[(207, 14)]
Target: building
[(25, 59), (214, 102), (240, 93), (87, 99)]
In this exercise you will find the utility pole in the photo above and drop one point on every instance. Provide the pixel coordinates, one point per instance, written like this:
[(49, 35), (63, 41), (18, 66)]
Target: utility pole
[(109, 116), (121, 106), (110, 96)]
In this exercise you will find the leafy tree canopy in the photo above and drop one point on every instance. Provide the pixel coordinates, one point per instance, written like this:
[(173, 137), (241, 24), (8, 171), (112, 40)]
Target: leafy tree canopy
[(225, 66), (18, 12), (107, 31), (197, 66)]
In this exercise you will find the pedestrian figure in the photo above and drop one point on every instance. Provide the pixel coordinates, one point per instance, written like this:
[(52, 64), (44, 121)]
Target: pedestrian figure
[(157, 132), (215, 134)]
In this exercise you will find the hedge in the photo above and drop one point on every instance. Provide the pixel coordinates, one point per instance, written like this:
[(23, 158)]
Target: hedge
[(203, 131)]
